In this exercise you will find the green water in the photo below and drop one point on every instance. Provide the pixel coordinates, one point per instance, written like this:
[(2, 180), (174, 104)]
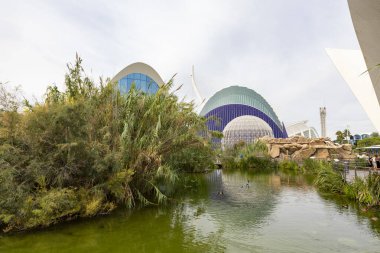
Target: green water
[(272, 213)]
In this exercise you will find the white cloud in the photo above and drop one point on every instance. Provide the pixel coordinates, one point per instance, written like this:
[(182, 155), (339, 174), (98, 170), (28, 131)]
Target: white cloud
[(275, 47)]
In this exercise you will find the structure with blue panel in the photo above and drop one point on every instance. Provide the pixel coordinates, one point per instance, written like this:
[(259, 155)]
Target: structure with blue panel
[(143, 76), (236, 101)]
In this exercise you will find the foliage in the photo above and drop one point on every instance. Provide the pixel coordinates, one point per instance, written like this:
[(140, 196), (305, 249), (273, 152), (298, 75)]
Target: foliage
[(328, 180), (368, 142), (253, 157), (289, 166), (359, 191), (341, 136), (85, 150)]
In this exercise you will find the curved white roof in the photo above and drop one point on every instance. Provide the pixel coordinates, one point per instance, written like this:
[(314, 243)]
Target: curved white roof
[(352, 67), (139, 67), (365, 15), (302, 129)]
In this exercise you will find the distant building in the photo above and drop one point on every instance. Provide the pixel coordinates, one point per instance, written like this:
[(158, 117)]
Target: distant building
[(143, 76), (245, 129), (233, 102), (357, 137), (301, 129)]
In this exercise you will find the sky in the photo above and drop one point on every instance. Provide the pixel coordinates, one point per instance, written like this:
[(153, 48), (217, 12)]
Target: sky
[(275, 47)]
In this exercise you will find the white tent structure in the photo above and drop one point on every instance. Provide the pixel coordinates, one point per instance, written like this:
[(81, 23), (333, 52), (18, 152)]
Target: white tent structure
[(301, 129), (365, 15), (352, 67), (353, 64)]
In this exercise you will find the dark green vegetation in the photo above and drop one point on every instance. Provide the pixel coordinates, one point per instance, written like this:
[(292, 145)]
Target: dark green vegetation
[(86, 150), (253, 157), (369, 142), (365, 191), (342, 136), (327, 179)]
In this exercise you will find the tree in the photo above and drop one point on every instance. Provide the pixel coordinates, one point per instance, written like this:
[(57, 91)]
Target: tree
[(375, 134), (339, 136), (346, 134), (368, 142)]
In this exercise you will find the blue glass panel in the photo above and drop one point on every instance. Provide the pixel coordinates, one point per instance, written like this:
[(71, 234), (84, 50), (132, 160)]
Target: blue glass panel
[(141, 81)]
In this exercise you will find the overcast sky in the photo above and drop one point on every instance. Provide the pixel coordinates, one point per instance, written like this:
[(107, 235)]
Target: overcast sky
[(276, 47)]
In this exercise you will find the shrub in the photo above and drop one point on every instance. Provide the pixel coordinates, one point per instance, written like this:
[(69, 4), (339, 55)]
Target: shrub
[(289, 166), (87, 149), (327, 180)]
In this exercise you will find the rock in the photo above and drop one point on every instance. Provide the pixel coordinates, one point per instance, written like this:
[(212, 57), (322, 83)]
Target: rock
[(292, 150), (322, 153), (324, 146), (347, 147), (303, 140), (317, 142), (303, 153), (299, 147), (344, 154), (274, 151)]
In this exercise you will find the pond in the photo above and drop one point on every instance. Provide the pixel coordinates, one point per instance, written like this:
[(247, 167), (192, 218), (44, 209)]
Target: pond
[(230, 212)]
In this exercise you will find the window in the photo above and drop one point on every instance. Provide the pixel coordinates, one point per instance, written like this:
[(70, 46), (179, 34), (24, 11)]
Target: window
[(142, 82)]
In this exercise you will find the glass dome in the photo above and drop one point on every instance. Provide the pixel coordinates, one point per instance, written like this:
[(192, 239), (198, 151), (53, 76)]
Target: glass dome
[(245, 128)]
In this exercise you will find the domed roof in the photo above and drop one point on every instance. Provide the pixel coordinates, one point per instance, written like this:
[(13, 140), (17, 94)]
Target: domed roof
[(139, 67), (243, 96), (245, 128)]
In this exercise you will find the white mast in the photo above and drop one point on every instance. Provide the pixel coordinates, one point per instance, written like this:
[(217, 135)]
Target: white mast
[(195, 87)]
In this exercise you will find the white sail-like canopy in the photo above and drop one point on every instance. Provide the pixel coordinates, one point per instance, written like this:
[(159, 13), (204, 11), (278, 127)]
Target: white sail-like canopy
[(352, 67)]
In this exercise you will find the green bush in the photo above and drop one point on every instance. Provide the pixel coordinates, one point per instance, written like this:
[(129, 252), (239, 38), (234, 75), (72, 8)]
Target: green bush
[(87, 149), (327, 180), (258, 164), (289, 166)]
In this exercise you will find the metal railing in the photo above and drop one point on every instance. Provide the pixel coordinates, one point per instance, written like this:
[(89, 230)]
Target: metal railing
[(351, 169)]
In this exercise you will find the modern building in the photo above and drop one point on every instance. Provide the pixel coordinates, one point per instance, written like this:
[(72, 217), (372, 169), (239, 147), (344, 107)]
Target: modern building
[(357, 137), (301, 129), (236, 101), (245, 129), (143, 76), (358, 67)]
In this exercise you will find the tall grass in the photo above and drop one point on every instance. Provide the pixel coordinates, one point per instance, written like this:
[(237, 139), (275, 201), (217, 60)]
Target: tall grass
[(87, 149)]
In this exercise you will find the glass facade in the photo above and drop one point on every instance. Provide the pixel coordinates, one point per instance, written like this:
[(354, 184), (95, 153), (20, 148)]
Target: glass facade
[(246, 129), (142, 82)]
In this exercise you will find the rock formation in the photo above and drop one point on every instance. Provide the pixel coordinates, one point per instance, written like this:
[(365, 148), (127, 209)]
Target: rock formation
[(299, 148)]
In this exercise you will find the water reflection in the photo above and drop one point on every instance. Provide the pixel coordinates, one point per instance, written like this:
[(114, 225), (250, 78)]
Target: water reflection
[(254, 213)]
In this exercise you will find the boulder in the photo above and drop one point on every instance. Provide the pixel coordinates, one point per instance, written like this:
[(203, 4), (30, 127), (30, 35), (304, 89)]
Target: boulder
[(303, 140), (322, 153), (303, 153), (344, 154), (274, 151), (299, 147), (347, 147), (317, 142)]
